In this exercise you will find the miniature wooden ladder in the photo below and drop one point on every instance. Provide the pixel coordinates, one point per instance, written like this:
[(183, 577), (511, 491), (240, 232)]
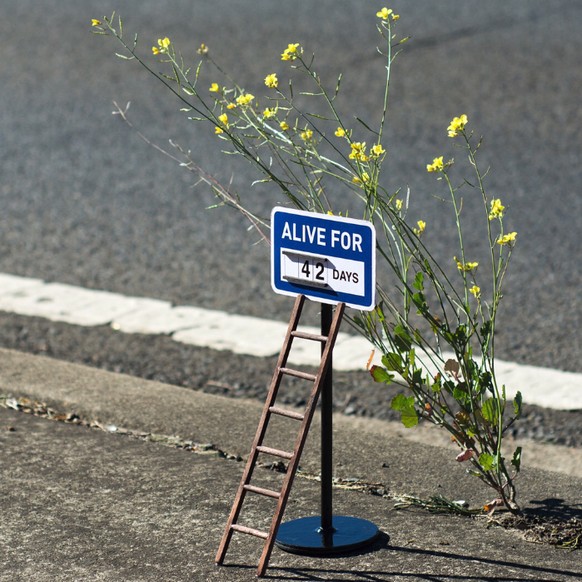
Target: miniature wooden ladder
[(258, 447)]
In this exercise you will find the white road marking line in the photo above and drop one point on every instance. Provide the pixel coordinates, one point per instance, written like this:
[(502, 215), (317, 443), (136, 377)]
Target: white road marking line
[(241, 334)]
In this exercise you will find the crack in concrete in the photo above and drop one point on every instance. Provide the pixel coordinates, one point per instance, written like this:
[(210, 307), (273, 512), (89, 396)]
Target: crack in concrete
[(564, 534), (42, 410)]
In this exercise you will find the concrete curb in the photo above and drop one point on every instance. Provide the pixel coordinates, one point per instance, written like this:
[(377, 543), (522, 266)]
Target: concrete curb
[(243, 334)]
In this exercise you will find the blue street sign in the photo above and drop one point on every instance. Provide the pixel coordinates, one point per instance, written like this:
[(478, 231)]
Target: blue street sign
[(328, 258)]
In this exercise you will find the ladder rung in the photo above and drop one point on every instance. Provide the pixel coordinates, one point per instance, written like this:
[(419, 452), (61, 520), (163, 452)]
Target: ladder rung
[(298, 374), (310, 336), (250, 531), (287, 413), (275, 452), (261, 491)]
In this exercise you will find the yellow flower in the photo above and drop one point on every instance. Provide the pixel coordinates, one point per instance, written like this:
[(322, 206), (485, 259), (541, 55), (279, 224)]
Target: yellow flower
[(95, 22), (469, 266), (284, 125), (340, 132), (378, 150), (218, 130), (271, 81), (398, 204), (163, 45), (507, 238), (306, 135), (291, 52), (496, 209), (395, 17), (244, 99), (436, 166), (475, 290), (365, 178), (384, 14), (358, 151), (223, 119), (202, 49), (231, 106), (421, 227), (457, 125), (268, 113), (214, 88)]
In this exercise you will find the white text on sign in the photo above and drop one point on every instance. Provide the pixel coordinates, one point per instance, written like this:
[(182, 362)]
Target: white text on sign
[(319, 235)]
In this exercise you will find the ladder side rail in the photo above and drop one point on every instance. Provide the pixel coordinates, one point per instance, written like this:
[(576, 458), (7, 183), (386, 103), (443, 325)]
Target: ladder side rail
[(261, 430), (301, 439)]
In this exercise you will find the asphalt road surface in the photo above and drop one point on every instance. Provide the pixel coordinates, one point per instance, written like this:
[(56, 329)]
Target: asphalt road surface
[(84, 201)]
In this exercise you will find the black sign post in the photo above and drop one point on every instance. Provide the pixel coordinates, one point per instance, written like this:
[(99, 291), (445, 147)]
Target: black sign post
[(326, 534)]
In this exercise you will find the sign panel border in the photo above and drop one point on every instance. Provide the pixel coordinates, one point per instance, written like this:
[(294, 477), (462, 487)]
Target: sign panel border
[(360, 231)]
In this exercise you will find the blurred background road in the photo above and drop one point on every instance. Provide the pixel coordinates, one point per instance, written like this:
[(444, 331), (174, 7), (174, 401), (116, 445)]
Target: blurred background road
[(84, 201)]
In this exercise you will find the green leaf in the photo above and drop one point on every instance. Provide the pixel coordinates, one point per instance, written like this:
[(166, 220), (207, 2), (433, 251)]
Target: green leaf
[(446, 333), (417, 376), (419, 281), (486, 382), (490, 411), (401, 402), (405, 405), (412, 358), (402, 338), (420, 301), (517, 404), (460, 338), (516, 459), (409, 418), (393, 362), (487, 461), (461, 395), (380, 312), (472, 370), (381, 375)]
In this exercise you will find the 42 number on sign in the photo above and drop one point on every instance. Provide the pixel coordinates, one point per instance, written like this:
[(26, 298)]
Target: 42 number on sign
[(313, 270)]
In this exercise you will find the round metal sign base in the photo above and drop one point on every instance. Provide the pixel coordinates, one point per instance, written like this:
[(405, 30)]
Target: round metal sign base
[(305, 535)]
